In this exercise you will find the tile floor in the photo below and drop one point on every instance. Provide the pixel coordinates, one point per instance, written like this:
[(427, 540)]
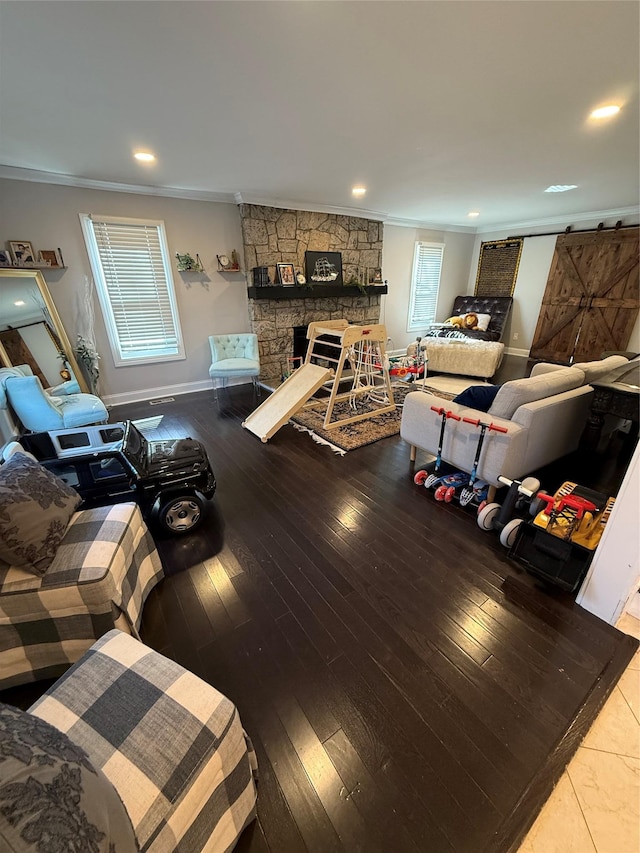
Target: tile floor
[(595, 807)]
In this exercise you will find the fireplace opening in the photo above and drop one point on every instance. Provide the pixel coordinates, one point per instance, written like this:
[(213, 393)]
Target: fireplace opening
[(300, 344)]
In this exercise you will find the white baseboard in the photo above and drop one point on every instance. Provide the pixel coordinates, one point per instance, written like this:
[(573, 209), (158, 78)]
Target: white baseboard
[(523, 353), (163, 391)]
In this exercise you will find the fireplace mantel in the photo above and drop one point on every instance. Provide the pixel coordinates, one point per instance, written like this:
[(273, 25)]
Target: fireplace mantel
[(318, 291)]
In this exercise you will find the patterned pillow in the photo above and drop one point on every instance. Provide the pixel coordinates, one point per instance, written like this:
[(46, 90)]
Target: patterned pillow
[(51, 797), (35, 510)]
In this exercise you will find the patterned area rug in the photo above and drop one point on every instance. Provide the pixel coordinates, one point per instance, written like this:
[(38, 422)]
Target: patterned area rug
[(358, 434)]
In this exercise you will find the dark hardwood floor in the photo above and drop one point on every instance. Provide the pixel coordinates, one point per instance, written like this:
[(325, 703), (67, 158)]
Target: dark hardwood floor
[(406, 687)]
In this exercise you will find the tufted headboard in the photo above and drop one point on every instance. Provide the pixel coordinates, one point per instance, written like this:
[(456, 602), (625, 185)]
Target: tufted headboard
[(498, 306)]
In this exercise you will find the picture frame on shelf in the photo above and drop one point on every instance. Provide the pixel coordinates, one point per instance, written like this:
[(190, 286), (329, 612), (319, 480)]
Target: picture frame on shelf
[(323, 267), (50, 258), (286, 275), (5, 258), (375, 275), (22, 253)]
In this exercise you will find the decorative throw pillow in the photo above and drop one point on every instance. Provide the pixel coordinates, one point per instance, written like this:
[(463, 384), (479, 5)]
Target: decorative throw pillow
[(478, 397), (483, 322), (51, 797), (35, 510)]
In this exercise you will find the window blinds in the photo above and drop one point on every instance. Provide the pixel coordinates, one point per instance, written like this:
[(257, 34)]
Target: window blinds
[(135, 288), (425, 282)]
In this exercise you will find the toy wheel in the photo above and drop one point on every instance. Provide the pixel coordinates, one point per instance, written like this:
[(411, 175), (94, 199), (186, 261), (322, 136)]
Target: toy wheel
[(440, 492), (487, 516), (420, 477), (449, 494), (509, 531), (481, 507), (430, 480), (536, 506), (181, 513)]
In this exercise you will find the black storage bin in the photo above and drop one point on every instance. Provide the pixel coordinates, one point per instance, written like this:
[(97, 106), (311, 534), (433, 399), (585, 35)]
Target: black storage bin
[(561, 563)]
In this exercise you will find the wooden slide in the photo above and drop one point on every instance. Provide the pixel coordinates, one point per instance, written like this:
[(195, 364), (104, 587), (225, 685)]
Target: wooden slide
[(286, 400)]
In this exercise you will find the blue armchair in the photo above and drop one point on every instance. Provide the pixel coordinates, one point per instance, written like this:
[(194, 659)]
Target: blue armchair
[(39, 411), (234, 355)]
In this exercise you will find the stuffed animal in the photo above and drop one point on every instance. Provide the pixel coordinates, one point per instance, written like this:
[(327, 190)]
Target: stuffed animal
[(470, 321), (455, 321)]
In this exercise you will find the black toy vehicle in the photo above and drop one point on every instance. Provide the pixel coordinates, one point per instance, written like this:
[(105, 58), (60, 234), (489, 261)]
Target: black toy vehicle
[(109, 463)]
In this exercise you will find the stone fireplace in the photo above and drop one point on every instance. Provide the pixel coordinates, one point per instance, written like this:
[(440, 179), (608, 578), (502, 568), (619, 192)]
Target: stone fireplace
[(273, 319), (273, 235)]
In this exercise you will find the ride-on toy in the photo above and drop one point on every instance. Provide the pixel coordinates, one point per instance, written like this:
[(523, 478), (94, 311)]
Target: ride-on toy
[(430, 477), (560, 542), (109, 463), (470, 488), (506, 517)]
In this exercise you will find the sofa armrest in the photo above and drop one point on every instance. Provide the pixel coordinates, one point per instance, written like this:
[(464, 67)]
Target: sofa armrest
[(171, 745)]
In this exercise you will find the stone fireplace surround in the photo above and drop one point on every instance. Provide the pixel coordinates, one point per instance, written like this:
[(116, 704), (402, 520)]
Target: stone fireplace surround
[(273, 321), (272, 235)]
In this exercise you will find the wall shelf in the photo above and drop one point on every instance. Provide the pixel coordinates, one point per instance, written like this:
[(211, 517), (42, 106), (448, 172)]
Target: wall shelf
[(32, 267)]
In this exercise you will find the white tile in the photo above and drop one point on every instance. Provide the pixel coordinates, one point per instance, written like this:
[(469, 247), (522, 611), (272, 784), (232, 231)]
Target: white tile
[(608, 790), (628, 624), (616, 729), (560, 827), (635, 661), (629, 686)]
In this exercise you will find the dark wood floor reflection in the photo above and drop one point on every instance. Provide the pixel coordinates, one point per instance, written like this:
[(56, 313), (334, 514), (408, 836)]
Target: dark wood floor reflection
[(406, 687)]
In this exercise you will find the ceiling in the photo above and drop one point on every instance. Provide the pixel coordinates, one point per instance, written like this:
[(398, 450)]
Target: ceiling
[(438, 108)]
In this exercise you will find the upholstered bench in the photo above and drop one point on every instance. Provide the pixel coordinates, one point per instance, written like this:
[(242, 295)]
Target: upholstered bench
[(171, 746), (465, 357)]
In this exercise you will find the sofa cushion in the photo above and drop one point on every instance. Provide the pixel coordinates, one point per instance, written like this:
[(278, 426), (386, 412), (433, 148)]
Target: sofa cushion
[(594, 370), (51, 796), (35, 509), (516, 393)]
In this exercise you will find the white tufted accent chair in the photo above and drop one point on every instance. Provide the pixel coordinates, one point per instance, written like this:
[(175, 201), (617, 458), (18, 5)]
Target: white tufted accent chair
[(234, 355)]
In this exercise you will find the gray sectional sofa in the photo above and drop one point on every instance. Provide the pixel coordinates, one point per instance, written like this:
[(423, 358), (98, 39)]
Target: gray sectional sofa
[(544, 416)]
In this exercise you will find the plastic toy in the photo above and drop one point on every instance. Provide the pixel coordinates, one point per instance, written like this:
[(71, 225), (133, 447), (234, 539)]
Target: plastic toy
[(507, 517), (430, 477), (559, 544), (169, 479)]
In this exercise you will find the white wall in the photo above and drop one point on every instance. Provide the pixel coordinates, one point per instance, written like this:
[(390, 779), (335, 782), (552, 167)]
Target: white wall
[(397, 261), (533, 272), (47, 215)]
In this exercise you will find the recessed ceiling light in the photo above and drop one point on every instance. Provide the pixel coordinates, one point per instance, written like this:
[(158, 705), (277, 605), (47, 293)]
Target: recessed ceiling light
[(144, 156), (358, 192), (19, 302), (561, 188), (606, 112), (473, 213)]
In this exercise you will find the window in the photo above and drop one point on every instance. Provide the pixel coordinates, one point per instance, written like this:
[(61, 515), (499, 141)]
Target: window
[(425, 282), (130, 264)]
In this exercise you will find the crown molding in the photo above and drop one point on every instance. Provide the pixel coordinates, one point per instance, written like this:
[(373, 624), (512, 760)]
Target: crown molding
[(566, 219), (287, 204), (34, 176), (429, 226)]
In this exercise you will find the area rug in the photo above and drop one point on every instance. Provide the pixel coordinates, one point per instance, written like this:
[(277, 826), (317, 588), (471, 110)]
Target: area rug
[(358, 434)]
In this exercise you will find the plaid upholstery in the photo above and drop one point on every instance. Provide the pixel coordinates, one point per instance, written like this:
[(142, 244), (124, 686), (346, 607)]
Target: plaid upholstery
[(101, 575), (171, 745)]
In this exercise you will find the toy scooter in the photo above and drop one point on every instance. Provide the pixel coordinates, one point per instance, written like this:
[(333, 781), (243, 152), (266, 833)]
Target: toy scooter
[(521, 497), (467, 483), (428, 478)]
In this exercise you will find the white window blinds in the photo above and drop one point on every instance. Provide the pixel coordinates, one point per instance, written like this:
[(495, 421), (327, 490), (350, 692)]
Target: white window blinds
[(425, 282), (130, 264)]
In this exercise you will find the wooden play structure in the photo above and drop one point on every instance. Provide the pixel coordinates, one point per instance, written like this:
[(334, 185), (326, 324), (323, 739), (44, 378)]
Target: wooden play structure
[(359, 356)]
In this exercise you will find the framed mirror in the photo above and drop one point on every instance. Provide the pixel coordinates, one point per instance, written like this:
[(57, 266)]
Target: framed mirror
[(31, 331)]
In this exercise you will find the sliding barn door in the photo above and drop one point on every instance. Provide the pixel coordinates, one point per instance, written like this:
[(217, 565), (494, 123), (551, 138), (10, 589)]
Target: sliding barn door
[(591, 301)]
